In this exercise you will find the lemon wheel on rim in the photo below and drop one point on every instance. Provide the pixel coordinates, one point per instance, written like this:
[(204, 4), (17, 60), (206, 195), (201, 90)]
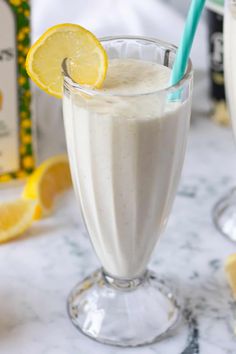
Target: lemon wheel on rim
[(44, 59)]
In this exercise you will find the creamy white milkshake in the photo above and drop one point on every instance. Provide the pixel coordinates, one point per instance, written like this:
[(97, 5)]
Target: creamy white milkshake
[(126, 148), (230, 58), (126, 144)]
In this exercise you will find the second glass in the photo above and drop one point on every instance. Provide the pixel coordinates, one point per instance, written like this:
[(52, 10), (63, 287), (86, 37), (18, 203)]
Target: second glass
[(224, 212), (126, 153)]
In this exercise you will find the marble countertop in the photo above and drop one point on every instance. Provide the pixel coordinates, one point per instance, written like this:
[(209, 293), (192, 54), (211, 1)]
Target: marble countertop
[(38, 271)]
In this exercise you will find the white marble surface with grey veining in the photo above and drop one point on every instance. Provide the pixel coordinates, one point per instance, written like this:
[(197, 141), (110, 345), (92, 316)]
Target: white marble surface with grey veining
[(38, 270)]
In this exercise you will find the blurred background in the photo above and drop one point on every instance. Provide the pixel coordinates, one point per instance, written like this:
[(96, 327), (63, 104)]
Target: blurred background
[(40, 270), (159, 18), (163, 19)]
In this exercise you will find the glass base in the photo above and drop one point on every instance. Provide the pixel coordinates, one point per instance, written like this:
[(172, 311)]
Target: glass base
[(125, 313), (224, 215)]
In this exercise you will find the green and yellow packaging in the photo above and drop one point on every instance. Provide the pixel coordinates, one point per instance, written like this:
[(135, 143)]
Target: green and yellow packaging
[(16, 132)]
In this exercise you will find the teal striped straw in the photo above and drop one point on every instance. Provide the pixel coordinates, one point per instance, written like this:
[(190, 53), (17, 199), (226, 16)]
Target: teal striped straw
[(183, 52)]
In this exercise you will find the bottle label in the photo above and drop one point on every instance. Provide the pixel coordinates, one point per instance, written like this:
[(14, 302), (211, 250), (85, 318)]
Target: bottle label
[(217, 2), (16, 143), (9, 127), (216, 6), (216, 46)]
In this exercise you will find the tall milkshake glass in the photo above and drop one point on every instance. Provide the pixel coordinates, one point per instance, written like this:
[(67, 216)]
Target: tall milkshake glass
[(126, 152), (224, 212)]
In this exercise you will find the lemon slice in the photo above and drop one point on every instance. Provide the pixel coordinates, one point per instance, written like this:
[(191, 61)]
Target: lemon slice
[(88, 58), (230, 269), (15, 218), (46, 182)]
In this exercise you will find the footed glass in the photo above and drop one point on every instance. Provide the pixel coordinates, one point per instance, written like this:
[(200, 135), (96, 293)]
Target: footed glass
[(126, 152), (224, 212)]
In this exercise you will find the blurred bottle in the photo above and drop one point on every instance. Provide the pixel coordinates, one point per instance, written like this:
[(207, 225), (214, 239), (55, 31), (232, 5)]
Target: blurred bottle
[(216, 47), (17, 142)]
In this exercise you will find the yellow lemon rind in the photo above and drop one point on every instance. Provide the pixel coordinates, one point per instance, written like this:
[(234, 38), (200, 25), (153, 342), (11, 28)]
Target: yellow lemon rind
[(32, 187), (39, 43), (25, 222)]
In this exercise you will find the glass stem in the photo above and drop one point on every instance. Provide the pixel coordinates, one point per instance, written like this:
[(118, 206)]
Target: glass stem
[(123, 284)]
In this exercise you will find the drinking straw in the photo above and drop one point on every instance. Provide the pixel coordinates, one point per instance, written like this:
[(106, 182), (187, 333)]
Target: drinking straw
[(186, 41)]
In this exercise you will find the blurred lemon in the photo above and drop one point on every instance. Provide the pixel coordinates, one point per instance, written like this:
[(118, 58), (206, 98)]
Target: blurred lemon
[(230, 269), (15, 218), (5, 178), (88, 58), (46, 182)]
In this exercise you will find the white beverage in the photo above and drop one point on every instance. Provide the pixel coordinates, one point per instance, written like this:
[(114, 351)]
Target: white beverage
[(126, 154), (230, 58)]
